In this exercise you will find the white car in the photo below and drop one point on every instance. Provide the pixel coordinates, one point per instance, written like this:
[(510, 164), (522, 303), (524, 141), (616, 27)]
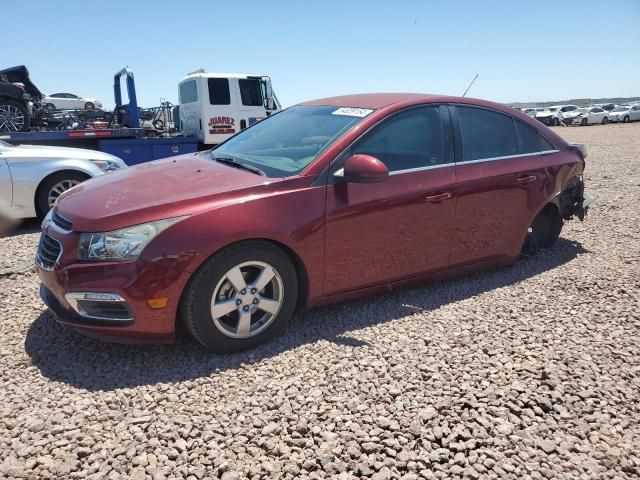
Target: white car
[(32, 177), (69, 101), (625, 113), (586, 116), (554, 114)]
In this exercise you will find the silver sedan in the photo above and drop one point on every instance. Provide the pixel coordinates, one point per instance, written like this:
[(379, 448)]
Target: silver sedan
[(33, 177)]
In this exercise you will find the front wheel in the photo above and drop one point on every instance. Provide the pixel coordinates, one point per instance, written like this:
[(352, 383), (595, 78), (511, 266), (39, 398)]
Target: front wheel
[(626, 119), (14, 117), (544, 230), (584, 122), (89, 106), (241, 297), (605, 120)]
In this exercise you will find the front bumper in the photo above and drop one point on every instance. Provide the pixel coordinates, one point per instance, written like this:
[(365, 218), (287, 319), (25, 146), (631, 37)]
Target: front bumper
[(135, 282)]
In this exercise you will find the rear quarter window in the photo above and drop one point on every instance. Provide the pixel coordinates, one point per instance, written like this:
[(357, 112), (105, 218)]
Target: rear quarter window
[(530, 140), (188, 92)]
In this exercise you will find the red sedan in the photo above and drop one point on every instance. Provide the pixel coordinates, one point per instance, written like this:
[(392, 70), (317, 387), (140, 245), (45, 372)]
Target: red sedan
[(328, 200)]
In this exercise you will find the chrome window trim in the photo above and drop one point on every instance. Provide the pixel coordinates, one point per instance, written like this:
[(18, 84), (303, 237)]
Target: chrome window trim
[(491, 159), (419, 169), (73, 297)]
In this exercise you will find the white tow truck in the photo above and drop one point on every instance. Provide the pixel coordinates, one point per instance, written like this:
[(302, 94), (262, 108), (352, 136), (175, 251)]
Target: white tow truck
[(215, 106)]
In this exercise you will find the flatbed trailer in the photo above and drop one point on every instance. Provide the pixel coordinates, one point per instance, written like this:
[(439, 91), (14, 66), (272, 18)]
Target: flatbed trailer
[(128, 144)]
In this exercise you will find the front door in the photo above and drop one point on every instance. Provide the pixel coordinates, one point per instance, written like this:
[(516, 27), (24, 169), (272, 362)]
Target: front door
[(376, 233), (250, 102), (501, 183)]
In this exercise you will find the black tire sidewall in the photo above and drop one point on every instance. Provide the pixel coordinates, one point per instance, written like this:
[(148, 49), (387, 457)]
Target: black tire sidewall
[(42, 198), (196, 305), (87, 107)]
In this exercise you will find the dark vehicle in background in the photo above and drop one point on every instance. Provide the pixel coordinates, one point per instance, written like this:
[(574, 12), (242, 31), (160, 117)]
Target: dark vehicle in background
[(16, 93), (328, 200)]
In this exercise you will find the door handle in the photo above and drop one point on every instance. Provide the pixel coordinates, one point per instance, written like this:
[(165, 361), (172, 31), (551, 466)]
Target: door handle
[(438, 197), (526, 179)]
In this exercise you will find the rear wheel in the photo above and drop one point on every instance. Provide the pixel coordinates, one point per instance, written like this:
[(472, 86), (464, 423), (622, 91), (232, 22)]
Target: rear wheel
[(241, 297), (50, 106), (14, 117), (54, 186), (544, 230)]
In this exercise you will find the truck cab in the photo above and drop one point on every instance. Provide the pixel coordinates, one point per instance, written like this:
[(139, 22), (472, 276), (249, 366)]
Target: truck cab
[(215, 106)]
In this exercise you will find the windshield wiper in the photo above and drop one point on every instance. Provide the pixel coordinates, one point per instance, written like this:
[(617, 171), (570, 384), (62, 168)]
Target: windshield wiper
[(237, 164)]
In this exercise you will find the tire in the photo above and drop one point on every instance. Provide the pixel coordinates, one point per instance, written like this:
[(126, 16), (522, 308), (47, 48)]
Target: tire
[(211, 284), (158, 124), (89, 106), (584, 122), (605, 120), (625, 119), (54, 186), (555, 122), (50, 107), (544, 231), (14, 117)]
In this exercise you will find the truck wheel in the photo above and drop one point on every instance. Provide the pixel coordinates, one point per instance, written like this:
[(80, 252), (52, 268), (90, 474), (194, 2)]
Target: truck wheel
[(89, 106), (14, 117), (54, 186), (241, 297), (544, 231)]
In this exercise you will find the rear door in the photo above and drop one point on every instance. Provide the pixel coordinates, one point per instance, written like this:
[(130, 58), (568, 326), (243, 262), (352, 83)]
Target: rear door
[(381, 232), (500, 177)]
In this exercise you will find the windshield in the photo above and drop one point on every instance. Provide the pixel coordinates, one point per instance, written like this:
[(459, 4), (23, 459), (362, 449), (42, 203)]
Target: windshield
[(621, 109), (284, 144)]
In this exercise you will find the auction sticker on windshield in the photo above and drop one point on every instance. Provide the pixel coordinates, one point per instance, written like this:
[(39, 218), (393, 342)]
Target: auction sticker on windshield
[(352, 112)]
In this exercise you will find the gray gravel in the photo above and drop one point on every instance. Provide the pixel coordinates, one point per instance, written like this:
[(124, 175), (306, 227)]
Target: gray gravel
[(531, 371)]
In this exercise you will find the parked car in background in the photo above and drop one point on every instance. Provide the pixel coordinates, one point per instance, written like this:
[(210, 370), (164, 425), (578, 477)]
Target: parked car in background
[(33, 177), (586, 116), (328, 200), (553, 115), (530, 111), (625, 113), (605, 106), (70, 101)]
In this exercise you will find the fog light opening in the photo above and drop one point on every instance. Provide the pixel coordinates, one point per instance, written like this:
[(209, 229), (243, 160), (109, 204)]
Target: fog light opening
[(158, 303)]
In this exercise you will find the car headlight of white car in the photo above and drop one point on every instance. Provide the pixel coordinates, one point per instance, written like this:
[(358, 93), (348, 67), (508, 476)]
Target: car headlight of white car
[(106, 165), (124, 244)]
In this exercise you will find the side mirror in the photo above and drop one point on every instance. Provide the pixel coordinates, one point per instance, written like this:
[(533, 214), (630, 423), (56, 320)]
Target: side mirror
[(361, 168)]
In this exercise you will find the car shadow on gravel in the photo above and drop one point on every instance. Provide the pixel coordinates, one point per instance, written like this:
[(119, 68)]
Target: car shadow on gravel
[(66, 356), (26, 226)]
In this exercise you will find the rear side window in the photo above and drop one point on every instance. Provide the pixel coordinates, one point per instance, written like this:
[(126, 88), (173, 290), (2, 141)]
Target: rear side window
[(530, 140), (188, 92), (486, 134), (250, 92), (219, 91), (411, 139)]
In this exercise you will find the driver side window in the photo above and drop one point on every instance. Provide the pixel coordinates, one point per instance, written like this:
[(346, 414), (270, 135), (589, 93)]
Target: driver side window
[(410, 139)]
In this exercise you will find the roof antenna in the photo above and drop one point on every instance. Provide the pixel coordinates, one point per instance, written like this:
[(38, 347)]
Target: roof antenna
[(474, 79)]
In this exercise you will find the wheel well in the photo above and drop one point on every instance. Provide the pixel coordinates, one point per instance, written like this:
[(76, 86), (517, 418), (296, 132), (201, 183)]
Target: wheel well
[(35, 198), (301, 271)]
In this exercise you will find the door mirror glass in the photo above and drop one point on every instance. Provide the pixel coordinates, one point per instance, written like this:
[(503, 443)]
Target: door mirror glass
[(361, 168)]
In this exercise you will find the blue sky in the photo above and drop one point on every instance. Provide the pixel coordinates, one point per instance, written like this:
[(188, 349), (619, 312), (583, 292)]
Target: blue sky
[(523, 50)]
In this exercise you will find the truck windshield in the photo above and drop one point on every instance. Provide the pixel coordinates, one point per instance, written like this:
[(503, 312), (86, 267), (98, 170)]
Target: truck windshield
[(284, 144)]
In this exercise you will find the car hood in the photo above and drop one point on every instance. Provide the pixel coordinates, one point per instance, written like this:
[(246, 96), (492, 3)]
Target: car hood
[(573, 114), (167, 188)]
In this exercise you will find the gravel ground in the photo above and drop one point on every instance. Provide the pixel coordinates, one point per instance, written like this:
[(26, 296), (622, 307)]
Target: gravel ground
[(530, 371)]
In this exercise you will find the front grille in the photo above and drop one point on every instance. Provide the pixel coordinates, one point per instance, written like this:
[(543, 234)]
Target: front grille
[(49, 251), (61, 222)]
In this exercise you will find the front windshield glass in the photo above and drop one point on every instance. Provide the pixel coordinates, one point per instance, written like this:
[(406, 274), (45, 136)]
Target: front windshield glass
[(621, 109), (283, 145)]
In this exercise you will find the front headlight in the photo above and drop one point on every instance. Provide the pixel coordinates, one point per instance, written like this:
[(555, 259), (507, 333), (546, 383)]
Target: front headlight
[(124, 244), (106, 165)]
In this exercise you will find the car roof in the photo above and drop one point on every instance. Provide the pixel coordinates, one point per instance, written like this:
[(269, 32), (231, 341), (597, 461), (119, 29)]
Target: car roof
[(381, 100)]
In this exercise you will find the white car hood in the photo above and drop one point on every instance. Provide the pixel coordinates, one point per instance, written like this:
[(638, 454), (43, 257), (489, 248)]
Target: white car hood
[(60, 152)]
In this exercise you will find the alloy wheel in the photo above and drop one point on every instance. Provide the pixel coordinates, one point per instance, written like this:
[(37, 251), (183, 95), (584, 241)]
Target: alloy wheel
[(11, 119), (247, 299), (58, 189)]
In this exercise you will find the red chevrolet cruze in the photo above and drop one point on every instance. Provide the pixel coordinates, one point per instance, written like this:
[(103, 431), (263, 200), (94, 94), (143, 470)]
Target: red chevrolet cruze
[(328, 200)]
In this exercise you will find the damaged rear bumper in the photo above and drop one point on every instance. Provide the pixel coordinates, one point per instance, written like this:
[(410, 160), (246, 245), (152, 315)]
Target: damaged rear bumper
[(575, 202)]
